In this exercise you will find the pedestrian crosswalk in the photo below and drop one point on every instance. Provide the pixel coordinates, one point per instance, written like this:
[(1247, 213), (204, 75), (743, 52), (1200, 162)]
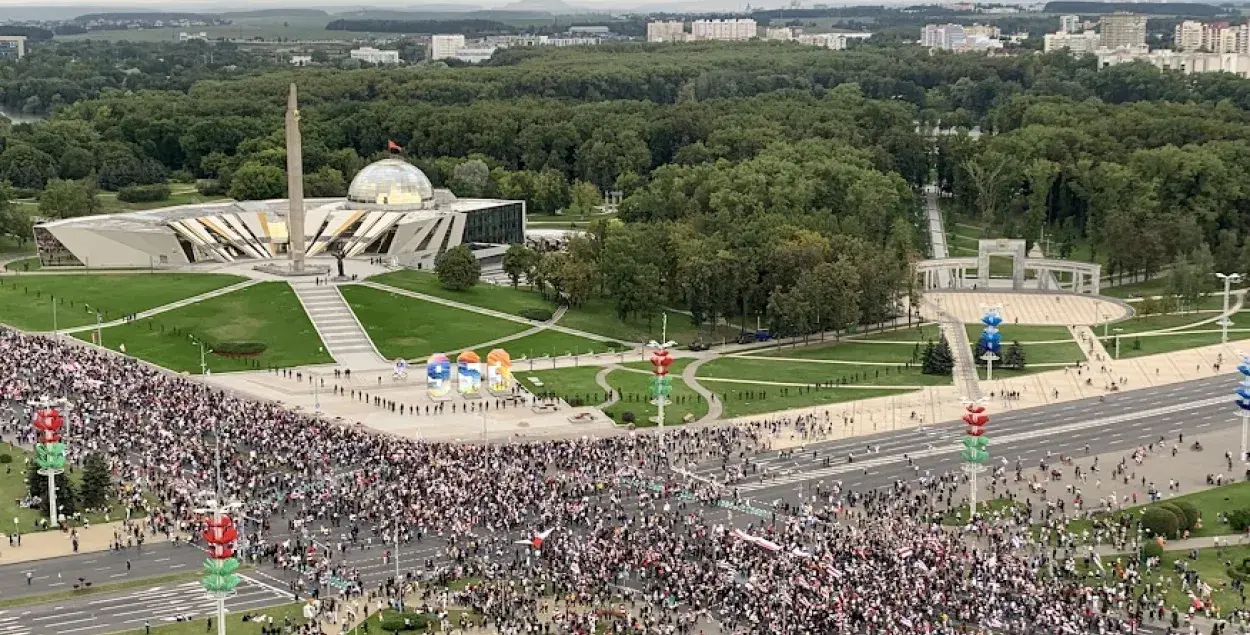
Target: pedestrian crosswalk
[(156, 605)]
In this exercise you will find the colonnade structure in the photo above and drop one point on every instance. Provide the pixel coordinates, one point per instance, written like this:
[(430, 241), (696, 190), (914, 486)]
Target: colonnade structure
[(969, 272)]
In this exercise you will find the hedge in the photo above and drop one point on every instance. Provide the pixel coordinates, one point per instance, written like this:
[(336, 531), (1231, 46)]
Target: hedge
[(1239, 519), (143, 193), (1160, 521), (1192, 515), (416, 622), (538, 314), (1182, 521), (1152, 550), (239, 349)]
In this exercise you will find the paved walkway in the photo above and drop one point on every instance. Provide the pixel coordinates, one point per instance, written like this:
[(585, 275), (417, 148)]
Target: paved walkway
[(1091, 346), (937, 233), (689, 374), (52, 544), (167, 307), (601, 378)]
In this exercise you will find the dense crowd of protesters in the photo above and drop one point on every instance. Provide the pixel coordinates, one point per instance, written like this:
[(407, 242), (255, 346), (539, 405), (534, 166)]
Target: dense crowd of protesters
[(850, 562)]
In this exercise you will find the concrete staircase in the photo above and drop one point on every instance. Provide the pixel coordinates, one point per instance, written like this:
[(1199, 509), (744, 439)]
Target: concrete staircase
[(344, 338)]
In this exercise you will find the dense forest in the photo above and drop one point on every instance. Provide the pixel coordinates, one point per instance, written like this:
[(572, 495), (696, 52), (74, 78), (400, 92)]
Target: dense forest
[(760, 179)]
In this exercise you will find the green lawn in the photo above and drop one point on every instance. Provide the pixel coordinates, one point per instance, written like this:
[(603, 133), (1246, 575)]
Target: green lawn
[(551, 343), (598, 316), (1138, 346), (737, 403), (1065, 353), (636, 395), (25, 264), (26, 302), (499, 298), (13, 489), (852, 351), (763, 369), (1156, 322), (408, 328), (268, 312), (1022, 333), (99, 589), (569, 384), (1154, 286), (1210, 503), (180, 194), (991, 509), (921, 333), (234, 622)]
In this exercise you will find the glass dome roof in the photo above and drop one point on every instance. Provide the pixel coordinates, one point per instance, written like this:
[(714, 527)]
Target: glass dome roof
[(392, 183)]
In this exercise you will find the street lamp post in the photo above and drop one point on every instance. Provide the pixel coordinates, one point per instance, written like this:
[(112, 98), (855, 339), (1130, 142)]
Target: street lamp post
[(203, 363), (991, 339), (222, 535), (99, 334), (974, 453), (1243, 404), (1229, 280), (1117, 342), (661, 383), (50, 448)]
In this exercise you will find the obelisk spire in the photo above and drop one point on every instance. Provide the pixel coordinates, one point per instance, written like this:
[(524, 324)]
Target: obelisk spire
[(294, 184)]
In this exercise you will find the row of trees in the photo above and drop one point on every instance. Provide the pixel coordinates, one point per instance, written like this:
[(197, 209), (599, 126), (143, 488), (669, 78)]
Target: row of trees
[(94, 491)]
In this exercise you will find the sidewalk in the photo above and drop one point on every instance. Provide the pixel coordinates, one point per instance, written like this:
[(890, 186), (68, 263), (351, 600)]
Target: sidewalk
[(54, 544)]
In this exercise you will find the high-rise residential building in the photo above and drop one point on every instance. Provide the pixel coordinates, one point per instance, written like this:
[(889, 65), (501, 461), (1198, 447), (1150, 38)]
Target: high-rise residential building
[(668, 31), (13, 46), (1123, 31), (1188, 36), (945, 37), (1186, 62), (1069, 23), (1075, 43), (445, 46), (738, 29)]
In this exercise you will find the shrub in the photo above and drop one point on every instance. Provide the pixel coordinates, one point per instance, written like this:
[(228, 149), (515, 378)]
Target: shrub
[(627, 416), (6, 458), (1239, 519), (1182, 521), (143, 193), (239, 349), (416, 622), (210, 187), (1159, 522), (538, 314), (1152, 550), (1192, 515)]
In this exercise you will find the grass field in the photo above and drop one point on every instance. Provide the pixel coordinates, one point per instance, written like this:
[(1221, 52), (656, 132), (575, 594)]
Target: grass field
[(636, 396), (761, 369), (1156, 322), (1154, 286), (551, 343), (737, 403), (26, 302), (921, 333), (488, 296), (1037, 353), (180, 194), (268, 312), (13, 489), (1138, 346), (852, 351), (569, 384), (598, 316), (269, 28), (99, 589), (1022, 333), (25, 264), (408, 328), (1210, 503)]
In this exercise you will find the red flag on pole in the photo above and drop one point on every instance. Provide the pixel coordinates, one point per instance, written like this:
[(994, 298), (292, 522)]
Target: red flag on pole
[(391, 146)]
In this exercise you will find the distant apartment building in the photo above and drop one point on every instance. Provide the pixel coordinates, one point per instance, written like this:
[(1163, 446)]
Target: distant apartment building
[(475, 55), (590, 31), (667, 31), (1213, 37), (187, 37), (832, 41), (1078, 43), (445, 46), (1069, 23), (782, 33), (1123, 31), (1187, 62), (375, 56), (301, 60), (731, 30), (12, 46), (958, 38)]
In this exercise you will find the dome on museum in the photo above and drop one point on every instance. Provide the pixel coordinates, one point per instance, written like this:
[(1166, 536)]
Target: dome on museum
[(393, 184)]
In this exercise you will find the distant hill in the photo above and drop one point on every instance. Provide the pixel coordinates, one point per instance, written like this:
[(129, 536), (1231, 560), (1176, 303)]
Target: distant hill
[(540, 6), (275, 13), (144, 15), (1165, 8)]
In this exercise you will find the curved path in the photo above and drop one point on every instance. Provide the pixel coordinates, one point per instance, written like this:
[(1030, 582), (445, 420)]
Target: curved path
[(601, 378), (689, 374)]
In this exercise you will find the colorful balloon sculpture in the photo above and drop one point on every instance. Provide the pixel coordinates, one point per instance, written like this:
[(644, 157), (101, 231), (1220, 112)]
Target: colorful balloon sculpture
[(469, 373), (499, 370), (438, 376)]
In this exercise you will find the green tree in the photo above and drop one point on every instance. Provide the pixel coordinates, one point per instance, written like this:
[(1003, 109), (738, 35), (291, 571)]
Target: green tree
[(1013, 357), (257, 182), (941, 361), (470, 178), (325, 183), (585, 197), (37, 486), (457, 269), (26, 167), (67, 199), (97, 485), (519, 260)]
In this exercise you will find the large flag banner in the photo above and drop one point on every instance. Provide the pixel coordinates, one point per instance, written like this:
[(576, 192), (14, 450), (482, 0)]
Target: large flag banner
[(469, 373), (438, 376)]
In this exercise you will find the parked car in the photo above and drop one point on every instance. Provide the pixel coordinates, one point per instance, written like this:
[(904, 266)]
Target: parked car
[(698, 345), (746, 338)]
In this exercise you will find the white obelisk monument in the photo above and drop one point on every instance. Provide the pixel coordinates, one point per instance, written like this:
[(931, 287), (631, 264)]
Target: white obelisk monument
[(294, 185)]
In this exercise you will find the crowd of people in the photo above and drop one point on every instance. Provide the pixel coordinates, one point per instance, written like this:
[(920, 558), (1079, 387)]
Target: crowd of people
[(852, 562)]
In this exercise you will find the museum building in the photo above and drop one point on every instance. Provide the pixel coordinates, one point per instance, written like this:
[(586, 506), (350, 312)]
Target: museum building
[(391, 210)]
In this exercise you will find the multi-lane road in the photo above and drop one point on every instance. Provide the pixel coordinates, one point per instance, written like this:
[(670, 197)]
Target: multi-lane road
[(1118, 422)]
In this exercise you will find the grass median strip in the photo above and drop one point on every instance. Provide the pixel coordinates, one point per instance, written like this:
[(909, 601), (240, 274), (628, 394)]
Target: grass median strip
[(96, 589)]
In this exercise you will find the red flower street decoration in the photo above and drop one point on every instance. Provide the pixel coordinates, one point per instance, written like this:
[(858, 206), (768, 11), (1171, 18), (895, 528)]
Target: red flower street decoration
[(220, 578), (975, 442)]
